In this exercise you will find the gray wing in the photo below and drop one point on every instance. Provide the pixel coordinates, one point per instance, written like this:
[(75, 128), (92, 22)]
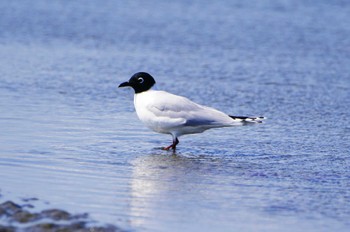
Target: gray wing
[(177, 111)]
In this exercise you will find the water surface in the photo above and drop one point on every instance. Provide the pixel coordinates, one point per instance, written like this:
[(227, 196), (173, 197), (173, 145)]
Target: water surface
[(71, 139)]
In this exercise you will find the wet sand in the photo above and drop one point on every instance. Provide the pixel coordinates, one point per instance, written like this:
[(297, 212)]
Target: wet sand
[(25, 217)]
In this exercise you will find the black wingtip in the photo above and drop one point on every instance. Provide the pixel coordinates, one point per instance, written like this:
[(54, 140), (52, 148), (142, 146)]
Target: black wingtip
[(248, 119)]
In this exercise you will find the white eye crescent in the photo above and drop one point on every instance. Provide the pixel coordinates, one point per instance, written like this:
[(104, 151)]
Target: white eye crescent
[(140, 80)]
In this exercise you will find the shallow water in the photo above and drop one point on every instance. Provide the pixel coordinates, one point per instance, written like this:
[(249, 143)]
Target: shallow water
[(71, 139)]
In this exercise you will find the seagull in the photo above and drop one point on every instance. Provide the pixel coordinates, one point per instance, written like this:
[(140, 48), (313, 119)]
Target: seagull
[(167, 113)]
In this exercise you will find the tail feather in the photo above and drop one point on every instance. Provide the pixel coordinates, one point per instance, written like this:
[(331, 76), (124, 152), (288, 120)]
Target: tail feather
[(248, 119)]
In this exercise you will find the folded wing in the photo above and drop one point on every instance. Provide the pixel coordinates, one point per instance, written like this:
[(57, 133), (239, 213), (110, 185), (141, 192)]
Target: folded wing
[(178, 111)]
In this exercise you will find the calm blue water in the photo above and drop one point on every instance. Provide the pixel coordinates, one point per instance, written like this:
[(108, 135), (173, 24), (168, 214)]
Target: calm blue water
[(71, 139)]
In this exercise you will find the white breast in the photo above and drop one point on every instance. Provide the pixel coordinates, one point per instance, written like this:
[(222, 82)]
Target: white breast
[(146, 106)]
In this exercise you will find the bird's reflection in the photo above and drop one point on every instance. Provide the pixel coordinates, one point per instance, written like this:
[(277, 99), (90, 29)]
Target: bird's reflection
[(166, 186)]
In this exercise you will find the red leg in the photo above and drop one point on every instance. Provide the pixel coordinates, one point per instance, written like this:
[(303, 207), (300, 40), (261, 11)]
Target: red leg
[(173, 146)]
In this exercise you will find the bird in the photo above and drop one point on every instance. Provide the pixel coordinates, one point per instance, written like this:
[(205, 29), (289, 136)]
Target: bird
[(167, 113)]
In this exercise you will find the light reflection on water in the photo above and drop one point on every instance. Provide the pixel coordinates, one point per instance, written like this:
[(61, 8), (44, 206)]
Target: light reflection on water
[(176, 191)]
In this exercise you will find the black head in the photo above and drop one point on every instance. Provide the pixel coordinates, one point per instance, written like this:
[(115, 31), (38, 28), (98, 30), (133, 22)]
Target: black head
[(140, 82)]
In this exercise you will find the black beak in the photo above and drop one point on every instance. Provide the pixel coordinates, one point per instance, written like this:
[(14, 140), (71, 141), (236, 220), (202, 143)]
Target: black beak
[(124, 84)]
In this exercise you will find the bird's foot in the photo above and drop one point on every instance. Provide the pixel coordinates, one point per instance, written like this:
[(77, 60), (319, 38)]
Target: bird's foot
[(172, 146), (168, 147)]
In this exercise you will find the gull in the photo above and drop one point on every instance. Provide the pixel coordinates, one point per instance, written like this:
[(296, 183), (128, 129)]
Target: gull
[(167, 113)]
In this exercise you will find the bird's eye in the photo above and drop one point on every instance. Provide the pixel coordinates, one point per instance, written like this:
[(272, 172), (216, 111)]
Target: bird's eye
[(140, 80)]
